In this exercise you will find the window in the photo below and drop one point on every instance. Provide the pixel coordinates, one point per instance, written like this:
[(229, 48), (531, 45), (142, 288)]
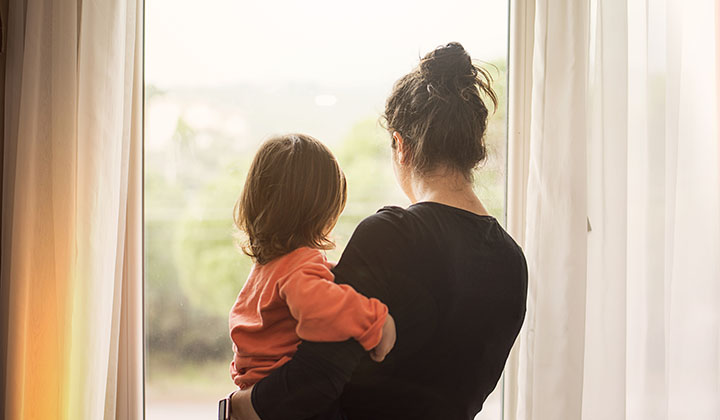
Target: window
[(221, 76)]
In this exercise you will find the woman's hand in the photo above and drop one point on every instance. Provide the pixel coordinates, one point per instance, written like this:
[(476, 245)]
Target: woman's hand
[(242, 408), (387, 342)]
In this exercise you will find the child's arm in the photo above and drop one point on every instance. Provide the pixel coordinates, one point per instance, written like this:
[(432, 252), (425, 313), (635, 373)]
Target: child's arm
[(326, 311)]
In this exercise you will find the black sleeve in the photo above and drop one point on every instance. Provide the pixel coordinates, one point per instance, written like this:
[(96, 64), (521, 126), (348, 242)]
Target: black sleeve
[(309, 383), (315, 377)]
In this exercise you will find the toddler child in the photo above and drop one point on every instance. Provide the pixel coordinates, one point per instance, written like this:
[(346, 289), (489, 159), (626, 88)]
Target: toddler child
[(293, 196)]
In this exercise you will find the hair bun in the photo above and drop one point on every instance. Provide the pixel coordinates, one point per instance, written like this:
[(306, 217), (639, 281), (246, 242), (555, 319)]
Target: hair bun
[(447, 62)]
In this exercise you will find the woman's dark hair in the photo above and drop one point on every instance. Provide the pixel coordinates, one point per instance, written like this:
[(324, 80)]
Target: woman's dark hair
[(294, 193), (439, 111)]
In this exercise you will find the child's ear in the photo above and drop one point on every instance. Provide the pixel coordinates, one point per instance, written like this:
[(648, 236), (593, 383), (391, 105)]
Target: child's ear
[(399, 147)]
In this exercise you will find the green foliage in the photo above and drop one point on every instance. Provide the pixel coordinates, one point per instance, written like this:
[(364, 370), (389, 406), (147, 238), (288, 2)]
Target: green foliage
[(184, 134), (364, 155), (490, 176), (151, 91), (193, 270), (212, 269), (174, 326)]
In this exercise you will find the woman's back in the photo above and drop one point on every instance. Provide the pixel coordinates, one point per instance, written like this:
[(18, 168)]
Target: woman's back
[(453, 280), (456, 284)]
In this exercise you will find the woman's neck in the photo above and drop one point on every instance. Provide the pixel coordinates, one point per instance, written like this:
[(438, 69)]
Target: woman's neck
[(445, 187)]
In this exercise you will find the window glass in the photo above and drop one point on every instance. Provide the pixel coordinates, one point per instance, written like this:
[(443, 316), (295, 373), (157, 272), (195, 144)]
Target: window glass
[(221, 76)]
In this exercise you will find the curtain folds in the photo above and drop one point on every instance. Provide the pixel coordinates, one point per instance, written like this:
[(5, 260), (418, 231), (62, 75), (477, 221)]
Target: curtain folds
[(607, 185), (624, 318), (72, 210), (555, 216)]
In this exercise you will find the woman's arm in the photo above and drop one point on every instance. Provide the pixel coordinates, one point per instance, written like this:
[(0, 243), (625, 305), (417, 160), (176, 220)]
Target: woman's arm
[(309, 383), (303, 387)]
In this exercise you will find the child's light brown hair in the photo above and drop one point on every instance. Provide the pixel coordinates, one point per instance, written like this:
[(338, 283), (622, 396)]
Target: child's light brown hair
[(293, 196)]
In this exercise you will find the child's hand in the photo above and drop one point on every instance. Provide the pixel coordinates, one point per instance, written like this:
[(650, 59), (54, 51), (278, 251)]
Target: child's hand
[(387, 342)]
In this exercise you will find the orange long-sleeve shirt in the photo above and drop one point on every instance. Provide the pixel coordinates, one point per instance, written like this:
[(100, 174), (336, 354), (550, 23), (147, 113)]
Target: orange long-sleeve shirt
[(291, 298)]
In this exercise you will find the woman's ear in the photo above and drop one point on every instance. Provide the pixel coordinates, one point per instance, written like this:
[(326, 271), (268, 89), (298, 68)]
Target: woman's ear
[(399, 147)]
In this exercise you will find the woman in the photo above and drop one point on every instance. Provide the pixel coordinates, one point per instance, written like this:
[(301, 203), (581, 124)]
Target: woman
[(452, 278)]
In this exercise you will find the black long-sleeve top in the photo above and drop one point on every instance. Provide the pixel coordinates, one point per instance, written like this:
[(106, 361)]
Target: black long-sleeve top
[(456, 284)]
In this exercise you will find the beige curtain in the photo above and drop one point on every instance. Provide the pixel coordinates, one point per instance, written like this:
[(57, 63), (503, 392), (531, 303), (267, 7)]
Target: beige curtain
[(555, 216), (617, 204), (72, 210)]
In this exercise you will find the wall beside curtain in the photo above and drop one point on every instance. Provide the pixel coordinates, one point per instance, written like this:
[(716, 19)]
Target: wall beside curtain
[(72, 210)]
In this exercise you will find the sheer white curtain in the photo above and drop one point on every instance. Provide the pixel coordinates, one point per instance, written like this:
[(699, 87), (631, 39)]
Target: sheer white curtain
[(621, 221), (72, 210), (554, 220)]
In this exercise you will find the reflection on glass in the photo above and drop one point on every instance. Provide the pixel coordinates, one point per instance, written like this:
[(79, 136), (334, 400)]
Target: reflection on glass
[(223, 76)]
